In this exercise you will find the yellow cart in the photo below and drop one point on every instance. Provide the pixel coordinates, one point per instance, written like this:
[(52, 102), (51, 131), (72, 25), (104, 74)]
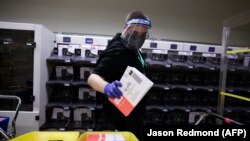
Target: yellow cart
[(48, 136), (67, 136)]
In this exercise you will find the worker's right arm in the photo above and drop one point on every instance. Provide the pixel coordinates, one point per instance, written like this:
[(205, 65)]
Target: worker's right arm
[(100, 85), (97, 82)]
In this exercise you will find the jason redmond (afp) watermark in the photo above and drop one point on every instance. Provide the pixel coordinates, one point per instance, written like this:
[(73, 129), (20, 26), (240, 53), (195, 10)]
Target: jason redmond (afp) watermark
[(196, 133), (181, 132)]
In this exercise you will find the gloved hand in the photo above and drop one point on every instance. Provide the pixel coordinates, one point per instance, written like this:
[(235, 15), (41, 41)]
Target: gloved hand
[(111, 90)]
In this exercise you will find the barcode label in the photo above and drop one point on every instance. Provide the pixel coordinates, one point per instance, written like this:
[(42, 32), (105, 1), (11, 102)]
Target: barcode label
[(136, 78)]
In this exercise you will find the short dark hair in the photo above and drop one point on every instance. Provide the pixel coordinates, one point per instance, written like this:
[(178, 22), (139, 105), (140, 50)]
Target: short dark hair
[(136, 14)]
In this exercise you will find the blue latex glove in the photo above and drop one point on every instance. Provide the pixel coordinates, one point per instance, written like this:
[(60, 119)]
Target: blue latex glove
[(111, 90)]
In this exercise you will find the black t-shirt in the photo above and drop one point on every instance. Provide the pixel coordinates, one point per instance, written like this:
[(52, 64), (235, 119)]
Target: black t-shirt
[(111, 65)]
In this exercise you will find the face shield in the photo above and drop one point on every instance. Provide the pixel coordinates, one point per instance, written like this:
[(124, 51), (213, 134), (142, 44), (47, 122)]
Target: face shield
[(136, 32)]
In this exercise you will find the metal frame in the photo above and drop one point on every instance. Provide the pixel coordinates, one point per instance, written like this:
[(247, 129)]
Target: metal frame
[(235, 21), (13, 123), (216, 116)]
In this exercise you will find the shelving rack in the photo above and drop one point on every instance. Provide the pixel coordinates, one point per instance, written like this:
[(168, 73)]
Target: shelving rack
[(241, 23)]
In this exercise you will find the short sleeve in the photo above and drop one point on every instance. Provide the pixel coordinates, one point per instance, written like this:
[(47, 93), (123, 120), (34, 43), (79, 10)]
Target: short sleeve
[(107, 67)]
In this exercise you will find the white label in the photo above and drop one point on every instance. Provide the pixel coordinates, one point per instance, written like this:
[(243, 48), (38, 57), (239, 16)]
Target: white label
[(67, 61), (66, 84), (66, 108), (165, 110), (185, 53), (158, 51), (232, 56), (210, 90), (208, 55), (61, 129), (167, 66), (166, 88)]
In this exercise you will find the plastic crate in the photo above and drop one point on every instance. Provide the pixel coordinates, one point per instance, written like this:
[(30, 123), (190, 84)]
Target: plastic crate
[(48, 136), (128, 136)]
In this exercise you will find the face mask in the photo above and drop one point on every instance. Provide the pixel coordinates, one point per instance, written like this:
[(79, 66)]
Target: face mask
[(135, 41)]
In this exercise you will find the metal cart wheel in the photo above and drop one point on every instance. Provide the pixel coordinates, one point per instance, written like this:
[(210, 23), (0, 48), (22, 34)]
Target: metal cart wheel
[(12, 133)]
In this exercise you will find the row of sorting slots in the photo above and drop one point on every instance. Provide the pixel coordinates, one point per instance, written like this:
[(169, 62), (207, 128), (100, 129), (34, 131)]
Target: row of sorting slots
[(211, 63)]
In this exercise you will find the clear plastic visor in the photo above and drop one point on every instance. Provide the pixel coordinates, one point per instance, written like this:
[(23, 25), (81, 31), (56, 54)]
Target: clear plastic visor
[(137, 30)]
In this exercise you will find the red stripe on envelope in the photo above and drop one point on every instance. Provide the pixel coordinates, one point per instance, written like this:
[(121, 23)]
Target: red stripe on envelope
[(123, 105)]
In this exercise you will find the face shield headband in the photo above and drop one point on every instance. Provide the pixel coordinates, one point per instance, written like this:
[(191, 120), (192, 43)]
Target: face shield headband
[(133, 29), (141, 21)]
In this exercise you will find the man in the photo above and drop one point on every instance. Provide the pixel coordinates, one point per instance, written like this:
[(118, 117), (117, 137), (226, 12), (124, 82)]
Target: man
[(122, 51)]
